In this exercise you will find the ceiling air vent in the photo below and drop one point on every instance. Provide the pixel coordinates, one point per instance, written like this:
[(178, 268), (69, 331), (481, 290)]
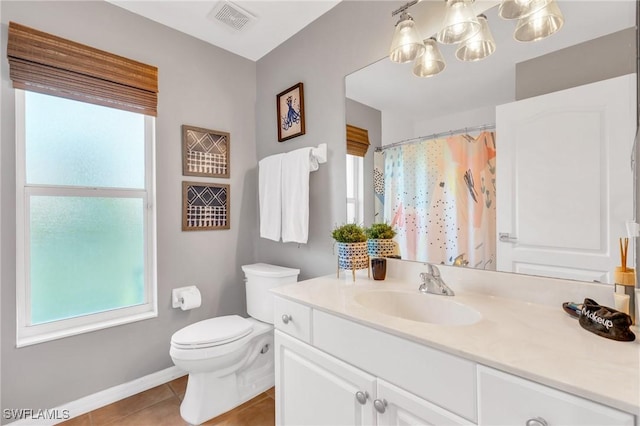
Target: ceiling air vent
[(232, 15)]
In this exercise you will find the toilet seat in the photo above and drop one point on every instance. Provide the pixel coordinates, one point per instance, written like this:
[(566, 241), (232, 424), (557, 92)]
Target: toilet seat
[(212, 332)]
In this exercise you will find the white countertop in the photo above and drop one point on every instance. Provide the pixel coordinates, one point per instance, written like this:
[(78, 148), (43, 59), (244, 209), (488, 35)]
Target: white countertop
[(537, 342)]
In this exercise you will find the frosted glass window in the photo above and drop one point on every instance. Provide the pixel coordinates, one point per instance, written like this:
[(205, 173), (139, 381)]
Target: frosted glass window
[(85, 219), (87, 255), (78, 144)]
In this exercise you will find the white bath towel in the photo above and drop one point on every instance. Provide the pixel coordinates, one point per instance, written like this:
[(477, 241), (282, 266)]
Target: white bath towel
[(296, 166), (270, 196)]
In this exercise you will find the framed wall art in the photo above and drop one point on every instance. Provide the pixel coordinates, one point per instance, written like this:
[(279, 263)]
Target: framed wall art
[(205, 152), (205, 206), (290, 105)]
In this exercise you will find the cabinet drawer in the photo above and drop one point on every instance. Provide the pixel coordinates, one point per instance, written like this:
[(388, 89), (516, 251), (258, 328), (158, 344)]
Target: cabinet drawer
[(293, 318), (509, 400)]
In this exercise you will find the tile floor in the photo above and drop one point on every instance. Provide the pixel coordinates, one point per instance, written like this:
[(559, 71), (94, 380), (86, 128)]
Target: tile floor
[(160, 406)]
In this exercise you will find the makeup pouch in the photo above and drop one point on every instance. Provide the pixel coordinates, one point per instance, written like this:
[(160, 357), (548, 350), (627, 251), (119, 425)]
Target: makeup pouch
[(605, 321)]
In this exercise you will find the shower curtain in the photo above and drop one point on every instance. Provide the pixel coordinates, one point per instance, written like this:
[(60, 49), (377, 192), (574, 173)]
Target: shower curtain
[(439, 195)]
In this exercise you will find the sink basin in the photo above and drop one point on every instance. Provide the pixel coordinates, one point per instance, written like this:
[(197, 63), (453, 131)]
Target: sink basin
[(419, 307)]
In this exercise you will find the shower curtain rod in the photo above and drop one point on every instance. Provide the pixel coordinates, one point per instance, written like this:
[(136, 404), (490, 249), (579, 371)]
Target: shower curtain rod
[(439, 135)]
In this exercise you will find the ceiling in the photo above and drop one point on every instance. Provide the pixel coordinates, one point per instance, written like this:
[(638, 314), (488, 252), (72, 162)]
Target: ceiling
[(468, 86), (275, 21)]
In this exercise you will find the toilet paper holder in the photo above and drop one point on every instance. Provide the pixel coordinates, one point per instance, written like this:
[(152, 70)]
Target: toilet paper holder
[(177, 297)]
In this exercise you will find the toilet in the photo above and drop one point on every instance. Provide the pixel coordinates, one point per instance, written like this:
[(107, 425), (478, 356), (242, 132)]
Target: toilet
[(230, 359)]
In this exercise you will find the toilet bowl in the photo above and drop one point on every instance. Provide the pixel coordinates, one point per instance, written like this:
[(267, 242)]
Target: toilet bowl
[(230, 359)]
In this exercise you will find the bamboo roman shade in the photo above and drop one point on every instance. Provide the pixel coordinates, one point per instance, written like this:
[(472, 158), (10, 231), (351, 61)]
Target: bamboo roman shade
[(48, 64), (357, 141)]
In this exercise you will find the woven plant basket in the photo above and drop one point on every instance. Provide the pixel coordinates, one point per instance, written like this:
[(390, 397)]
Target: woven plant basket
[(378, 247), (353, 256)]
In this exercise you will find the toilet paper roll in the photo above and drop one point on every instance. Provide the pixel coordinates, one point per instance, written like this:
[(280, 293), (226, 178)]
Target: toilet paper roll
[(190, 299)]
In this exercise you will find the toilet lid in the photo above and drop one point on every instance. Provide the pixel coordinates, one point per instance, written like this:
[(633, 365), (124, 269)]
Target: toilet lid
[(212, 332)]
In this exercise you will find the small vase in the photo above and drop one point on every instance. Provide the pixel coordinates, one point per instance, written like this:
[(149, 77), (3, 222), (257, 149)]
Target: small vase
[(379, 268)]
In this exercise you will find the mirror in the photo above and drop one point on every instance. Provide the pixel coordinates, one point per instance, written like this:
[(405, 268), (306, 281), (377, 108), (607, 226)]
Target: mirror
[(465, 95)]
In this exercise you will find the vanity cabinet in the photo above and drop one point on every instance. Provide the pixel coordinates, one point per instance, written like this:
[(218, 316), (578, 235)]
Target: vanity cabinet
[(314, 388), (404, 408), (331, 370), (505, 399)]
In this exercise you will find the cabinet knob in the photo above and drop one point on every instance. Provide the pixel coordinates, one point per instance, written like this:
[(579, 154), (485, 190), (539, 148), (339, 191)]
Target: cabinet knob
[(537, 421), (362, 397), (381, 405), (286, 318)]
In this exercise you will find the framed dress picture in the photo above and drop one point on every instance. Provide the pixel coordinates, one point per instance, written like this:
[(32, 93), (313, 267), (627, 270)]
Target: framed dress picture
[(290, 104)]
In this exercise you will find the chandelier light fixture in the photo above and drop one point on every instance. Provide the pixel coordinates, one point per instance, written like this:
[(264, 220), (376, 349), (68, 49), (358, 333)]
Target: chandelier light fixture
[(478, 46), (459, 23), (431, 62), (540, 24), (516, 9), (406, 44), (536, 19)]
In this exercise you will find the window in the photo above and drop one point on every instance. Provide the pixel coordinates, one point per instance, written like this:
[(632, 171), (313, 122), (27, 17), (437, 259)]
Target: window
[(357, 146), (85, 217), (355, 186)]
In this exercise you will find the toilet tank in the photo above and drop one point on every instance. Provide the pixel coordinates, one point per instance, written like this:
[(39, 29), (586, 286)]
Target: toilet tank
[(259, 279)]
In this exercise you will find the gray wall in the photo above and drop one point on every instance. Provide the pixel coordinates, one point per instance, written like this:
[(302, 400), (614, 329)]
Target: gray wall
[(365, 117), (602, 58), (200, 85), (321, 55)]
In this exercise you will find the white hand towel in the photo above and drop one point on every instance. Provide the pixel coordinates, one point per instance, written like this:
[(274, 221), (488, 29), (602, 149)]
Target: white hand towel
[(270, 196), (296, 166)]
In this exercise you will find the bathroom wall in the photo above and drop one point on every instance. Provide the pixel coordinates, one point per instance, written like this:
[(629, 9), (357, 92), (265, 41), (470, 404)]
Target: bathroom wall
[(365, 117), (599, 59), (200, 85), (348, 37)]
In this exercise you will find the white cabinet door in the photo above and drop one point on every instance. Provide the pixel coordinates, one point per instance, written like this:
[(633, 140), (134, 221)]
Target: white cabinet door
[(564, 184), (313, 388), (403, 409), (509, 400)]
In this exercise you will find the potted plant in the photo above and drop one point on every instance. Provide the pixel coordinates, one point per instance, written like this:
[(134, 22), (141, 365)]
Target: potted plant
[(352, 247), (380, 240)]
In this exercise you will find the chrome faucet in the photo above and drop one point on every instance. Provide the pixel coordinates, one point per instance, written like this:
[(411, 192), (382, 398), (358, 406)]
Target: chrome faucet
[(432, 282)]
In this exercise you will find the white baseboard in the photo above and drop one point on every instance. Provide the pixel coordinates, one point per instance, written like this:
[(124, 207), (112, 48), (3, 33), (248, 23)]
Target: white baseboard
[(100, 399)]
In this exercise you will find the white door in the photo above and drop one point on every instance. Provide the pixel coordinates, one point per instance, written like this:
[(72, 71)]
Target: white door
[(564, 185), (402, 408), (313, 388)]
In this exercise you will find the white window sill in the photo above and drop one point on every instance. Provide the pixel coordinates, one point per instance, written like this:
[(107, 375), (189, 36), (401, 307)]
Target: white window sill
[(86, 328)]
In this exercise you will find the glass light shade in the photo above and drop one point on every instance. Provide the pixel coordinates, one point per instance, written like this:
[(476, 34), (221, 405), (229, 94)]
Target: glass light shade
[(431, 62), (517, 9), (479, 46), (406, 44), (540, 24), (459, 24)]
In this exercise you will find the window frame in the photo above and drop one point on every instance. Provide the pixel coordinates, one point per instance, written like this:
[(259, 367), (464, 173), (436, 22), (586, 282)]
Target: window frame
[(27, 334)]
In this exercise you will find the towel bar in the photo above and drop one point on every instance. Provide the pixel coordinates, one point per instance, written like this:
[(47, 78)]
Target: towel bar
[(320, 153)]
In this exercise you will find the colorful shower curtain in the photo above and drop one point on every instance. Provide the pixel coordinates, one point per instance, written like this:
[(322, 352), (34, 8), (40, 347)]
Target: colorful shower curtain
[(439, 195)]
